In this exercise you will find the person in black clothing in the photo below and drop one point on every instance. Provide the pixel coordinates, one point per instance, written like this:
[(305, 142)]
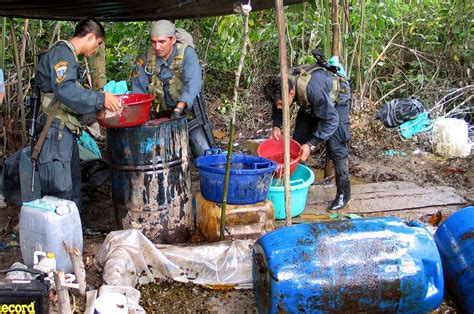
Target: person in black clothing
[(324, 100)]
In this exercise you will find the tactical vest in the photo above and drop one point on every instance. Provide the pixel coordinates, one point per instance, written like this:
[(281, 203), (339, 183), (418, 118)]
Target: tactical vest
[(176, 82), (301, 75), (66, 115)]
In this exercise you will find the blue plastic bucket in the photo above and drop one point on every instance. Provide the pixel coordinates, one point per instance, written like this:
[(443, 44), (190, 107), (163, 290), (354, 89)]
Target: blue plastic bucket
[(455, 240), (248, 182), (374, 265), (300, 181)]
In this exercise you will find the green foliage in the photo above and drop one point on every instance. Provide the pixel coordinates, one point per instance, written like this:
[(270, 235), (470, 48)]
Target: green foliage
[(124, 42), (433, 42)]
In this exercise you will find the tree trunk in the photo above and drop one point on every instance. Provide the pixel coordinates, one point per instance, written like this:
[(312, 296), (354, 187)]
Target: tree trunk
[(99, 78)]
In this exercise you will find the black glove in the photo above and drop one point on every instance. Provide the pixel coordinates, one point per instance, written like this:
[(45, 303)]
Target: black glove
[(176, 113)]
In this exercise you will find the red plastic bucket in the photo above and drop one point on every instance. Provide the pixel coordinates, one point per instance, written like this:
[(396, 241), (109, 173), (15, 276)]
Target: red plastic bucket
[(274, 150), (135, 111)]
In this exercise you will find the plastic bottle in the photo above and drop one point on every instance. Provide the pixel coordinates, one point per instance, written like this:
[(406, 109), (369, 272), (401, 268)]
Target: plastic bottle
[(46, 264)]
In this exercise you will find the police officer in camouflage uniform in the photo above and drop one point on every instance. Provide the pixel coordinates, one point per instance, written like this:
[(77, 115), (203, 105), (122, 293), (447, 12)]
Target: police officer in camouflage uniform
[(59, 76), (324, 99), (170, 70)]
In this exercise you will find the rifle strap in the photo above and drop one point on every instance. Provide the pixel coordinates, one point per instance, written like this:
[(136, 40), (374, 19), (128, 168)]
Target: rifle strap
[(37, 149)]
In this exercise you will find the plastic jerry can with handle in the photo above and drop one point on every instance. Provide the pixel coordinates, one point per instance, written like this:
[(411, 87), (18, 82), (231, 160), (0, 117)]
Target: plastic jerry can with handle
[(47, 224), (46, 263)]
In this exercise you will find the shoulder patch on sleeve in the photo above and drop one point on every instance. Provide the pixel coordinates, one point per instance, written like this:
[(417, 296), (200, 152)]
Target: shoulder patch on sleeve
[(60, 68), (138, 65)]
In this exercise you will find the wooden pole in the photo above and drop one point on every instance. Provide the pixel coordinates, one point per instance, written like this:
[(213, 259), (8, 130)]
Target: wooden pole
[(238, 73), (329, 166), (79, 269), (62, 292), (286, 106), (335, 28)]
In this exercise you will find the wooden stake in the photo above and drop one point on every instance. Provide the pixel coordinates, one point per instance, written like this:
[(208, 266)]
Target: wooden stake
[(286, 106), (62, 292), (328, 165), (335, 28), (79, 269), (238, 73)]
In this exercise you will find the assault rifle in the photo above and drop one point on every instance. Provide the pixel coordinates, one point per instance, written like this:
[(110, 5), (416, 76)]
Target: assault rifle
[(321, 60), (34, 103)]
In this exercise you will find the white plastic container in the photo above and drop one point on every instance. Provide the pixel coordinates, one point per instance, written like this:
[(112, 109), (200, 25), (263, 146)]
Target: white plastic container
[(450, 137), (43, 229), (46, 263)]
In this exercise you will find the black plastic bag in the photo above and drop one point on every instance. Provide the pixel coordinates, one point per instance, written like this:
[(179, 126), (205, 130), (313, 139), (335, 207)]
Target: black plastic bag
[(397, 111)]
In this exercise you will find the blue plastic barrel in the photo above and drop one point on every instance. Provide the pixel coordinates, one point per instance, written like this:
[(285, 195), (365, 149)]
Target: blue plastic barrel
[(455, 240), (249, 178), (362, 265)]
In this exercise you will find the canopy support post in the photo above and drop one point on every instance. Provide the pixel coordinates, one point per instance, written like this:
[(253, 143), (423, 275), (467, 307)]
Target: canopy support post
[(286, 106)]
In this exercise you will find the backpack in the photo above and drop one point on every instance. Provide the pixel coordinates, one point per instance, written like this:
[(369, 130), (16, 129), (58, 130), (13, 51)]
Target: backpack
[(301, 76), (397, 111), (183, 37)]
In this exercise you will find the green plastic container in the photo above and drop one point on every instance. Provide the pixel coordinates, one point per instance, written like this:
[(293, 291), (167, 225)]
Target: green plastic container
[(300, 181)]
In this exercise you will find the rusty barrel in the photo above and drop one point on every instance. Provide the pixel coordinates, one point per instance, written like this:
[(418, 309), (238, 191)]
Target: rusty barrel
[(374, 265), (151, 181)]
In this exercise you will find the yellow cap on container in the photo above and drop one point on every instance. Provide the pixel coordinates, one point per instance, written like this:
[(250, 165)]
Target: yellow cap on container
[(50, 255)]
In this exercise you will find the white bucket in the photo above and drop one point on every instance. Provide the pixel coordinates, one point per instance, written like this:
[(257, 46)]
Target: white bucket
[(450, 137)]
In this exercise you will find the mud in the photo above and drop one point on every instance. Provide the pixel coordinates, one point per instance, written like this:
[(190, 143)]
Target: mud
[(173, 297), (366, 163)]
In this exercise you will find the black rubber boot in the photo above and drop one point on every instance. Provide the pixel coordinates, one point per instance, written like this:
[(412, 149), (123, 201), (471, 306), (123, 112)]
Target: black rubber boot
[(198, 141), (343, 185)]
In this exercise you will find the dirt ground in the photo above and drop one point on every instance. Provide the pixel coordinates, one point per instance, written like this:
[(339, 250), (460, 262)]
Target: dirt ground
[(370, 161)]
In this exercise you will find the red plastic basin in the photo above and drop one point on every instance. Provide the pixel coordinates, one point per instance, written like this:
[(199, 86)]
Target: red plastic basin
[(135, 111), (274, 150)]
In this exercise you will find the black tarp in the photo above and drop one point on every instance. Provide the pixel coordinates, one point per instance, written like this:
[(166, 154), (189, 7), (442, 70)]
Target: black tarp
[(124, 10)]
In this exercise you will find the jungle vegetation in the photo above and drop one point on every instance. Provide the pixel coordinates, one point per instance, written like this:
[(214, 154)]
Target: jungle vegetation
[(390, 49)]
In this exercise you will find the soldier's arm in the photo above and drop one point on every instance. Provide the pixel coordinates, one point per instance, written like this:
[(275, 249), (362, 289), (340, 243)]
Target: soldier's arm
[(191, 74), (66, 87)]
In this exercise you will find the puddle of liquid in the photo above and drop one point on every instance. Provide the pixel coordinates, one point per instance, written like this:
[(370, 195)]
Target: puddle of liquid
[(319, 176)]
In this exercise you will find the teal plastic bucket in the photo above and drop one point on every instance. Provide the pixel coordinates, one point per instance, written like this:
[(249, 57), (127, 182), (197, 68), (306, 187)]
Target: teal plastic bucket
[(300, 181)]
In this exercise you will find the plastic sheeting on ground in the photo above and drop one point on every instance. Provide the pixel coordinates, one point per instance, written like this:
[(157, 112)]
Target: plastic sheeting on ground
[(127, 257), (422, 123)]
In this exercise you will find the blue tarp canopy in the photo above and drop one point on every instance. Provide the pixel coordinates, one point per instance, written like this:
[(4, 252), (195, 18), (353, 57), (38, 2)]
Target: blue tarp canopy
[(124, 10)]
